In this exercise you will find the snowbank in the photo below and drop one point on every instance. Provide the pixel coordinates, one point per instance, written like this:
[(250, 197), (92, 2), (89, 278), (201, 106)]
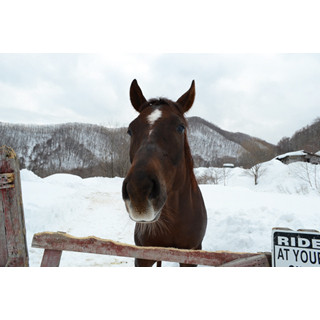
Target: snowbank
[(240, 214)]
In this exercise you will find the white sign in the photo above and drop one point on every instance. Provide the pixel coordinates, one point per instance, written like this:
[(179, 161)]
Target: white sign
[(295, 248)]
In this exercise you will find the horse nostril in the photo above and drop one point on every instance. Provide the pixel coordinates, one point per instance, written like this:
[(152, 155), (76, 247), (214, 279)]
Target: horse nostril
[(140, 190), (155, 190), (125, 194)]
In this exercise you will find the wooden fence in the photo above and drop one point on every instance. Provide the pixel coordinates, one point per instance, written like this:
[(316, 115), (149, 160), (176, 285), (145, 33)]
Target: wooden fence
[(13, 245), (56, 242)]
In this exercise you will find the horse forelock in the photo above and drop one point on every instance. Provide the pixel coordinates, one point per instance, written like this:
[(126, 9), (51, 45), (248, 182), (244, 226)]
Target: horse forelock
[(161, 101)]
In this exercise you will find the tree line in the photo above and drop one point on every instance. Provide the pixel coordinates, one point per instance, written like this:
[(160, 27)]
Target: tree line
[(91, 150), (307, 138)]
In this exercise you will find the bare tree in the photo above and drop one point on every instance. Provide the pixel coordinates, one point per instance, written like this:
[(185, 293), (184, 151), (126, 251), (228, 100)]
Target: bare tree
[(254, 159), (215, 176), (256, 172), (309, 173)]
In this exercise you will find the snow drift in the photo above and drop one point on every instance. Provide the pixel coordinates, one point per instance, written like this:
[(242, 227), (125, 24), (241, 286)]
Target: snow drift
[(240, 215)]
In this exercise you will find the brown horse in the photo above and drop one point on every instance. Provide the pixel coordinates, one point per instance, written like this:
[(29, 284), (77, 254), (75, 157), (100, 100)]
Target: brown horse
[(160, 191)]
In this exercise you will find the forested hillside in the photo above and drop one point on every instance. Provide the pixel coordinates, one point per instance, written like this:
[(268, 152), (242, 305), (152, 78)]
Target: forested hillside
[(83, 149), (307, 138), (213, 146), (90, 150)]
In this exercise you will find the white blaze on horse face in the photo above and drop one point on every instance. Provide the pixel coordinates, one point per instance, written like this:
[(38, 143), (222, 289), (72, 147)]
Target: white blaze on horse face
[(154, 116)]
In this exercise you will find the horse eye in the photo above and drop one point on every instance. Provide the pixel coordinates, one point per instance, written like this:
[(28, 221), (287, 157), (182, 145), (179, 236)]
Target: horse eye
[(180, 128), (129, 132)]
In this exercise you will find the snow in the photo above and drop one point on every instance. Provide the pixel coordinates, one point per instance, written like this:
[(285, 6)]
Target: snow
[(240, 218), (294, 153), (228, 165), (240, 215)]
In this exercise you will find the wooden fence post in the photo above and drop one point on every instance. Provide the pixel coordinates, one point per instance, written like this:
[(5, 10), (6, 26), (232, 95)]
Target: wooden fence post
[(13, 244)]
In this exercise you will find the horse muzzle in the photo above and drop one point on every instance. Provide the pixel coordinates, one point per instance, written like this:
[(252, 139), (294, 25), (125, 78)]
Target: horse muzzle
[(144, 198)]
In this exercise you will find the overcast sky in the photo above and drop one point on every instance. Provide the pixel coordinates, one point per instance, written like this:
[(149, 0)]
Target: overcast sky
[(267, 93), (267, 96)]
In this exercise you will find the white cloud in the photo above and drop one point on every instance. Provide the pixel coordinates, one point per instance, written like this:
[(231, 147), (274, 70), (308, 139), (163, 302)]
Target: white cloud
[(268, 96)]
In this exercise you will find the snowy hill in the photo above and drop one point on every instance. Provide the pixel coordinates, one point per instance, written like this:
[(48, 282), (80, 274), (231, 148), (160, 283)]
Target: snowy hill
[(82, 149), (90, 150), (212, 146), (207, 143), (240, 214)]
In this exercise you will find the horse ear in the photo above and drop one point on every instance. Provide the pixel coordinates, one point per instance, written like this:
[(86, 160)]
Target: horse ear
[(185, 102), (136, 96)]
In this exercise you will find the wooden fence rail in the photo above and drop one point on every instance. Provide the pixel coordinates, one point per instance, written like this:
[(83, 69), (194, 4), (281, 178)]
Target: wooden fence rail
[(13, 245), (56, 242)]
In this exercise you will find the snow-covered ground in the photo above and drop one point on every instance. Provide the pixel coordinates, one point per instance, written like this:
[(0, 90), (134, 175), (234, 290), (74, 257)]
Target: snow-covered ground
[(240, 215)]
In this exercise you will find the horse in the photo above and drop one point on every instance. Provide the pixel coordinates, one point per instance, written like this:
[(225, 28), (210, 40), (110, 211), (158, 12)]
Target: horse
[(160, 190)]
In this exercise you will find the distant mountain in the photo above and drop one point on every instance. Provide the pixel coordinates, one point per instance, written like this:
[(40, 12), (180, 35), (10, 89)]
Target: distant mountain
[(213, 146), (90, 150), (84, 149)]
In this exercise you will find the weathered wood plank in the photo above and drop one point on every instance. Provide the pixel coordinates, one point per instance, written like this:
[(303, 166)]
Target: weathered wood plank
[(308, 230), (3, 239), (260, 260), (51, 258), (6, 180), (16, 262), (63, 241), (12, 227)]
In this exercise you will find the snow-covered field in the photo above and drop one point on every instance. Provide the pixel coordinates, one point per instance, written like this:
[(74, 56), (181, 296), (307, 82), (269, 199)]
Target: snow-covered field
[(240, 215)]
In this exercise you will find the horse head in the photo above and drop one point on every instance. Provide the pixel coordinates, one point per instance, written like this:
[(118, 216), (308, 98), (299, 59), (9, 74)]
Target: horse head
[(159, 153)]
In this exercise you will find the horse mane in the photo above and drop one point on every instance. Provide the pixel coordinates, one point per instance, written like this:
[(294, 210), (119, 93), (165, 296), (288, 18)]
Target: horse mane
[(190, 163)]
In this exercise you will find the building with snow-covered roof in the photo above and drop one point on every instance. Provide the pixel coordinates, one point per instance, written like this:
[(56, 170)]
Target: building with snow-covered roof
[(228, 165), (300, 155)]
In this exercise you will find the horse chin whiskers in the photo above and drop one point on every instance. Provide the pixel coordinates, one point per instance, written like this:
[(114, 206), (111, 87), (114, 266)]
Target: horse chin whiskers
[(148, 222), (160, 226)]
